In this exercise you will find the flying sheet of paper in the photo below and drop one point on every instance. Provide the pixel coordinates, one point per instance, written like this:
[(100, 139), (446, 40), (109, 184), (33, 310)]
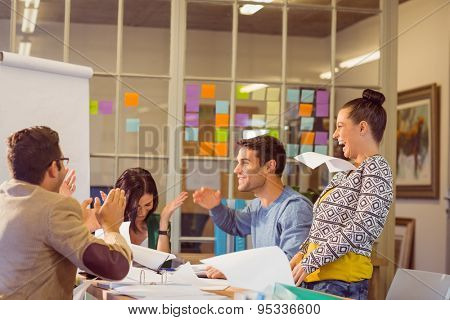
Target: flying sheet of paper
[(254, 269), (152, 259), (313, 160)]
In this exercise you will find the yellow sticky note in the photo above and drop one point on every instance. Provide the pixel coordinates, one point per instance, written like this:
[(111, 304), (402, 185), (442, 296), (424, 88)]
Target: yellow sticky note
[(272, 121), (206, 149), (131, 99), (273, 107), (307, 138), (259, 95), (273, 94), (221, 149), (222, 120), (208, 91), (305, 110)]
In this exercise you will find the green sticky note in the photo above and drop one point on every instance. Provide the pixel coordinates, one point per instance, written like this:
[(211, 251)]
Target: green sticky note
[(307, 124), (221, 135), (93, 107), (292, 150), (241, 95), (321, 149), (274, 133)]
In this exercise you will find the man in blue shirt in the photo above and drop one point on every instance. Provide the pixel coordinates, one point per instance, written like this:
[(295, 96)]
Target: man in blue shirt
[(278, 216)]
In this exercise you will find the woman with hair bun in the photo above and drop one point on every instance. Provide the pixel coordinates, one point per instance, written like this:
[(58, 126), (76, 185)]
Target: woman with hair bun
[(351, 212)]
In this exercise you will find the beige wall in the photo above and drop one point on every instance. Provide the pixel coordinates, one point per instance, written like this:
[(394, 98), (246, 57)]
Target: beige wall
[(423, 58)]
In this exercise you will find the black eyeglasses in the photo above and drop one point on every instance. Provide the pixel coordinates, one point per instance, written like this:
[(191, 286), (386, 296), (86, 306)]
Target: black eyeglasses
[(64, 160)]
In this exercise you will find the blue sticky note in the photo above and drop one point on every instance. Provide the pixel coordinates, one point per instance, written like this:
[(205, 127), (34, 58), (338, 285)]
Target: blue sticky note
[(292, 150), (293, 95), (307, 124), (307, 95), (306, 148), (321, 149), (222, 106), (191, 134), (132, 125)]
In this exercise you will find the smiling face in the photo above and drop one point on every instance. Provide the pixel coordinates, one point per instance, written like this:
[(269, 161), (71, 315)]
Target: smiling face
[(348, 134), (144, 206), (249, 172)]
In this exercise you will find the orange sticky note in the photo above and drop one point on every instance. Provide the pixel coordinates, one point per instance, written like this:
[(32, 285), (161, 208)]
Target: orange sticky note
[(222, 120), (208, 91), (305, 110), (131, 99), (307, 138), (206, 149), (221, 149)]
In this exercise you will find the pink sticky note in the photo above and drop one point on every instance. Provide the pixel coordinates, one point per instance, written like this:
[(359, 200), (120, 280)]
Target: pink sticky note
[(241, 120), (322, 110), (191, 119), (321, 138), (193, 105), (322, 97), (192, 91), (105, 107)]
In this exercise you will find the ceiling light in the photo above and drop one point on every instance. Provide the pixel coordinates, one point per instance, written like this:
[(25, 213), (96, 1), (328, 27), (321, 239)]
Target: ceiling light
[(25, 48), (249, 9), (29, 20), (327, 75), (252, 87), (365, 58)]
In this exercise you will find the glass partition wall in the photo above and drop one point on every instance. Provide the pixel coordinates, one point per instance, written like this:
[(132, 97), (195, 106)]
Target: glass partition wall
[(218, 70)]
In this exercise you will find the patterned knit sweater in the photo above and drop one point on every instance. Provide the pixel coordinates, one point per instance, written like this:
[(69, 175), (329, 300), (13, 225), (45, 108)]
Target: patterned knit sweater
[(352, 217)]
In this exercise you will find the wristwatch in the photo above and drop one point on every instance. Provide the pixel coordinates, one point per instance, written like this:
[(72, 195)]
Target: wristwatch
[(165, 233)]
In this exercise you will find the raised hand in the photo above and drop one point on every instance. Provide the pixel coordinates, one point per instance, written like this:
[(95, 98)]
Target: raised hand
[(170, 208), (110, 214), (68, 186), (207, 198), (90, 215)]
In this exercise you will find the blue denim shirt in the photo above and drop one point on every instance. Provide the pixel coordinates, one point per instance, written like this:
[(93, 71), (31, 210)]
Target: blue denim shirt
[(284, 223)]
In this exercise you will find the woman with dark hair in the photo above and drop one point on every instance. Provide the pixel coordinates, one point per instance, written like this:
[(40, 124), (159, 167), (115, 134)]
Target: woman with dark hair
[(146, 228), (351, 211)]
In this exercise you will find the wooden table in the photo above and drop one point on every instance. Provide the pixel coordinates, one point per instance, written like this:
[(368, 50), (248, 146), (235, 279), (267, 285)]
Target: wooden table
[(107, 294)]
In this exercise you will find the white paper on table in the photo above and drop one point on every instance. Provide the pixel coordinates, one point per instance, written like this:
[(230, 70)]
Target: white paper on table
[(139, 276), (185, 275), (168, 291), (313, 160), (78, 292), (152, 259), (254, 269)]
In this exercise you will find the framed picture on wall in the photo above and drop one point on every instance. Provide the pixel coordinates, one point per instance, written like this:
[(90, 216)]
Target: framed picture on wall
[(418, 143), (404, 242)]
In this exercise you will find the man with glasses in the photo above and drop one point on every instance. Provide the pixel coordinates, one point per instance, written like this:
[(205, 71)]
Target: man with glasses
[(44, 235)]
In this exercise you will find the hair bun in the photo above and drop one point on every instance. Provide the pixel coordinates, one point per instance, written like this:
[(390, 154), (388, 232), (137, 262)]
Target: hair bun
[(374, 96)]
